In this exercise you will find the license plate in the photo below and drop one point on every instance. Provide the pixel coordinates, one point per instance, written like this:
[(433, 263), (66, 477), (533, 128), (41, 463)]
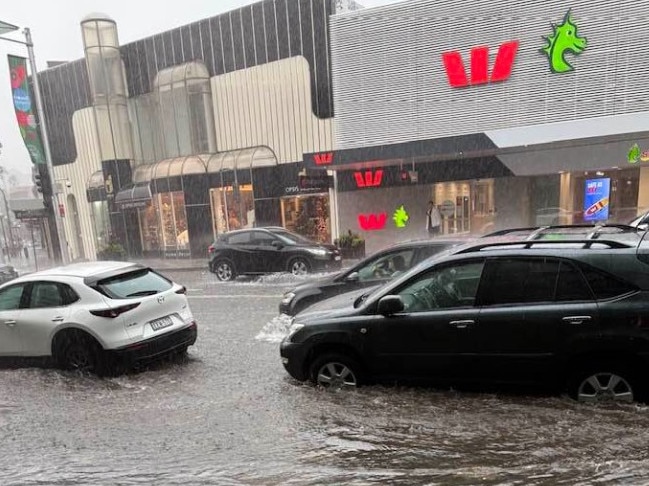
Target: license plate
[(161, 323), (337, 258)]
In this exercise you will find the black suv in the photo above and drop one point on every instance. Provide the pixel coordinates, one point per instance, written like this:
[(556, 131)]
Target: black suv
[(370, 272), (267, 250), (570, 313)]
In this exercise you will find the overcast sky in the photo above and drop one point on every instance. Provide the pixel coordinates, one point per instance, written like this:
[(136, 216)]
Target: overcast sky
[(57, 37)]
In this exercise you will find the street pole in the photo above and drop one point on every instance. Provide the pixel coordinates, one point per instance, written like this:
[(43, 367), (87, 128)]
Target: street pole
[(46, 144), (12, 246)]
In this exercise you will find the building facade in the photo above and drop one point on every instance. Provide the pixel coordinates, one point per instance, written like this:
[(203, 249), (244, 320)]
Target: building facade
[(502, 114), (162, 143)]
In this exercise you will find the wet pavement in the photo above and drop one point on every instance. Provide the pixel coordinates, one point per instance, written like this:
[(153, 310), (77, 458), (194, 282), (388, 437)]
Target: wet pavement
[(230, 415)]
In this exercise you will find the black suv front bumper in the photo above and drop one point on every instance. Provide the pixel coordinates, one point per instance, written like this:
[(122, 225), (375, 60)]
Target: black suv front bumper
[(294, 356)]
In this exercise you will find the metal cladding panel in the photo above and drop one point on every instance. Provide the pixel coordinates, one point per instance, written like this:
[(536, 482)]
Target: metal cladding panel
[(390, 85)]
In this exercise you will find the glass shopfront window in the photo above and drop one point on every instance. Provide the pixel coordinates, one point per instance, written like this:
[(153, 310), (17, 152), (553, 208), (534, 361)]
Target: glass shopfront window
[(308, 216), (163, 225), (150, 227), (232, 208), (101, 223), (466, 206)]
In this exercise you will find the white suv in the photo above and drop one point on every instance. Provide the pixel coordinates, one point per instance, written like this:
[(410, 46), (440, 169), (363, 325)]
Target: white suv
[(93, 315)]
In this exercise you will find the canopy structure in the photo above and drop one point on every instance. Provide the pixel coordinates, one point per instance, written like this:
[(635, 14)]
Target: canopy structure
[(95, 187), (135, 196), (244, 159)]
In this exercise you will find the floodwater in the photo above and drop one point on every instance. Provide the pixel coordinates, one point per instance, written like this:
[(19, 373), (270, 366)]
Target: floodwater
[(230, 415)]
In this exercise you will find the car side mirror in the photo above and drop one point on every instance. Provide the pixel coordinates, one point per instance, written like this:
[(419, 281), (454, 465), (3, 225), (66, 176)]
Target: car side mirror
[(277, 244), (390, 305), (353, 277)]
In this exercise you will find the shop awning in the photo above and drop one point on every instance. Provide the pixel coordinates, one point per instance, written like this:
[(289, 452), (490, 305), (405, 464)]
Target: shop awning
[(249, 158), (244, 159), (95, 187), (136, 196)]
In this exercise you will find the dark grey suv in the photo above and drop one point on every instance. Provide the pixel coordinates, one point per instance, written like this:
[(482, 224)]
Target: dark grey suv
[(370, 272), (572, 314)]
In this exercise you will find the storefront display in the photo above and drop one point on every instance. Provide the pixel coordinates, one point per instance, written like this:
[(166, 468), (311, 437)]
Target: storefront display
[(232, 208), (308, 216), (163, 226)]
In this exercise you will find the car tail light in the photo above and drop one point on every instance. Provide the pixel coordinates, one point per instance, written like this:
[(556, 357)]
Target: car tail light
[(210, 249), (182, 290), (115, 311)]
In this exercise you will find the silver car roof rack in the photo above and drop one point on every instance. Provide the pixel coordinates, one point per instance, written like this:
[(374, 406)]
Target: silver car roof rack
[(536, 232), (527, 245)]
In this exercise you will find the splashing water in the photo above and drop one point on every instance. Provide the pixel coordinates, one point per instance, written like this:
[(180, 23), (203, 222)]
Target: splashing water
[(275, 330)]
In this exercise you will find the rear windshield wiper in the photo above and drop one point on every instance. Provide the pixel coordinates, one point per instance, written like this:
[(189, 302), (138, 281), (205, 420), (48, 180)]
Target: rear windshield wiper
[(142, 293)]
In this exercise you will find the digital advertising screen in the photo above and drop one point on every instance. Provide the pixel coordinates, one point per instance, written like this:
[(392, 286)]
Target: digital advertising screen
[(596, 199)]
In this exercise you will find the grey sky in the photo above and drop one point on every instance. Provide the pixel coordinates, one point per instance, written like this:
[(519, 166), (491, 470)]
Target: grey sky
[(57, 37)]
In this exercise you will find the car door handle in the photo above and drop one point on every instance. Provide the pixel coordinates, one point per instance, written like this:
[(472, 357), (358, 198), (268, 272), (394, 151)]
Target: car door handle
[(58, 319), (462, 324), (576, 319), (10, 323)]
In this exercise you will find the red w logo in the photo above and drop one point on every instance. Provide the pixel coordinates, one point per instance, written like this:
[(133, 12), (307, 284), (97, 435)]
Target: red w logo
[(372, 222), (502, 68), (368, 179), (323, 159)]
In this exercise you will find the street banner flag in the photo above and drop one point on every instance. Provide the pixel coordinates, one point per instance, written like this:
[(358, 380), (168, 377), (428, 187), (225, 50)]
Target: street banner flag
[(5, 28), (23, 106)]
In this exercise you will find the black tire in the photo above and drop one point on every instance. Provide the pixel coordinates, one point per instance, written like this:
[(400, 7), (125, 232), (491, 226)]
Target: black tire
[(224, 269), (335, 371), (299, 266), (78, 351), (605, 382)]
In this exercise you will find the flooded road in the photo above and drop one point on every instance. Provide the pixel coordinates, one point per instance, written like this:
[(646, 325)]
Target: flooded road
[(230, 415)]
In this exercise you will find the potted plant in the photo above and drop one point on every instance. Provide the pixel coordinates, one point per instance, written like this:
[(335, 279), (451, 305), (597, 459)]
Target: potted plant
[(351, 245), (112, 251)]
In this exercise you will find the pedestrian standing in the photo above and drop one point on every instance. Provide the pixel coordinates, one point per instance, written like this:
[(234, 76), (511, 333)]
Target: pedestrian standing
[(433, 219)]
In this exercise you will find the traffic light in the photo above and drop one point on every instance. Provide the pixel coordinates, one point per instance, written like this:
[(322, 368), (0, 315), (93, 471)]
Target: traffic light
[(36, 177)]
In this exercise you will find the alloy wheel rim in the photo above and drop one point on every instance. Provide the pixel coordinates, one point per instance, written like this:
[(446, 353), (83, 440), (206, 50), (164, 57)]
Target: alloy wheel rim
[(605, 387), (78, 358), (299, 268), (335, 376), (224, 272)]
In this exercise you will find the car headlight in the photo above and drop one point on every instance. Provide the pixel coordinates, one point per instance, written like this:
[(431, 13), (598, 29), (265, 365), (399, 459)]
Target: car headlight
[(317, 251), (293, 330), (288, 298)]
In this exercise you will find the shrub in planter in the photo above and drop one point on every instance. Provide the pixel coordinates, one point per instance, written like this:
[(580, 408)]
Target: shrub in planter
[(351, 245), (112, 251)]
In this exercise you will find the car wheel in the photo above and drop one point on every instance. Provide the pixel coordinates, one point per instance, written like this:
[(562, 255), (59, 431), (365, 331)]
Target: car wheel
[(299, 266), (604, 384), (78, 351), (336, 371), (224, 270)]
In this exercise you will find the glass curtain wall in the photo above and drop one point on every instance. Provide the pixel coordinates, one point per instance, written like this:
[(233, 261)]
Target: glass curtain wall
[(184, 108)]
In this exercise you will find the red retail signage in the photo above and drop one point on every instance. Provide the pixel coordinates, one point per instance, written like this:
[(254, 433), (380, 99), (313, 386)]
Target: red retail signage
[(479, 69), (323, 159), (368, 178), (372, 222)]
